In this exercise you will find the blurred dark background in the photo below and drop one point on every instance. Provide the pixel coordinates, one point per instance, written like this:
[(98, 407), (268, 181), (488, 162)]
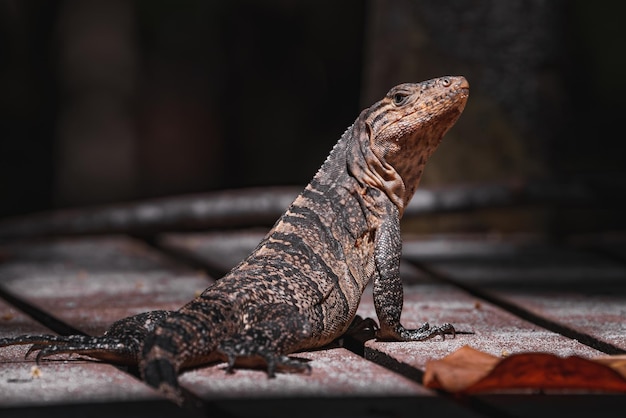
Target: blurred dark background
[(105, 101)]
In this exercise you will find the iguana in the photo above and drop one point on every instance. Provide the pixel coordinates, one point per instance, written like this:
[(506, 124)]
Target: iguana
[(301, 286)]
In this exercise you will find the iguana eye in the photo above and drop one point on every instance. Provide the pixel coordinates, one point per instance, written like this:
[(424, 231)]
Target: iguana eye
[(399, 98)]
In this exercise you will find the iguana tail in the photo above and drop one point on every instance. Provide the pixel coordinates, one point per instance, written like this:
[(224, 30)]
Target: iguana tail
[(191, 333)]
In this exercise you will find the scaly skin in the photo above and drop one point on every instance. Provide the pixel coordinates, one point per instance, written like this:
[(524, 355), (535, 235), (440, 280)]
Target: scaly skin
[(300, 288)]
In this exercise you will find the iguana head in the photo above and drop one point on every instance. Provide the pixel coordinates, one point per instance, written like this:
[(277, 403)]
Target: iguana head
[(404, 129)]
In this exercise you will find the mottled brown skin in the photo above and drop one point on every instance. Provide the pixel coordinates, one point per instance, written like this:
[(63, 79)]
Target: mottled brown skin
[(300, 288)]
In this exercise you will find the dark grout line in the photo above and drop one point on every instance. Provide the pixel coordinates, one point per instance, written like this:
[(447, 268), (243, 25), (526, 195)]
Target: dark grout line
[(55, 325), (39, 315), (390, 363), (357, 346), (523, 313), (193, 404), (605, 253), (187, 259)]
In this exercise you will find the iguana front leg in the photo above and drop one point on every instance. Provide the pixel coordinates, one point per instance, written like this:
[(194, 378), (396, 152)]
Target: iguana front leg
[(388, 293)]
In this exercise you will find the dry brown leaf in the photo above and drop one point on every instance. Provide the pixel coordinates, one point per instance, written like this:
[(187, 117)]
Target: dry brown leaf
[(471, 371), (617, 363), (458, 370)]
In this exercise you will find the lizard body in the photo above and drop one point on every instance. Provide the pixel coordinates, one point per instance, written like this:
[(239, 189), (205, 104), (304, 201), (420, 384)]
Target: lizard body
[(301, 287)]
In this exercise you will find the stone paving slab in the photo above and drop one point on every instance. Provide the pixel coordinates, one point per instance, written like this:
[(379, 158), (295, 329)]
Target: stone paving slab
[(341, 384), (341, 407), (87, 283), (523, 262), (90, 283), (577, 289), (495, 331), (13, 323), (221, 250), (53, 382), (607, 244), (334, 372)]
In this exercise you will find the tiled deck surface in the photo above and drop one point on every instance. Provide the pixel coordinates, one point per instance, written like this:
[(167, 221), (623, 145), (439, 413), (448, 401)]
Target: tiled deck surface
[(514, 293)]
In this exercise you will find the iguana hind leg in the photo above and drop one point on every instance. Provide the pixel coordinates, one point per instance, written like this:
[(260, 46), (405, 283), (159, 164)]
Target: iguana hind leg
[(272, 332)]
